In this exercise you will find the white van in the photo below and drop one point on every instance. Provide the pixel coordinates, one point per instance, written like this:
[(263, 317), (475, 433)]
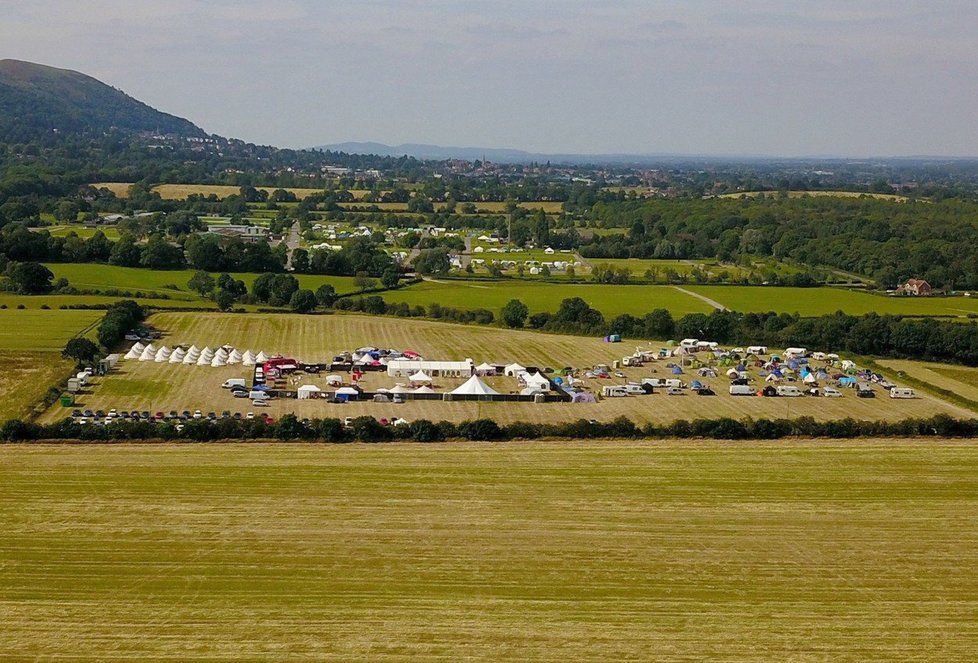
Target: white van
[(741, 390), (789, 390), (902, 392), (613, 391), (634, 389), (258, 395), (831, 392), (233, 382), (654, 382)]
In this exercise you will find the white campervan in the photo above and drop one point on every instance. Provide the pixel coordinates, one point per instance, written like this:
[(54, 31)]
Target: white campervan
[(789, 390), (902, 392), (741, 390)]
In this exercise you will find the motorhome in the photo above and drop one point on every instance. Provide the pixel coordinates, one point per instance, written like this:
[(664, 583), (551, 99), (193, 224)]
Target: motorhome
[(788, 390), (741, 390), (902, 392)]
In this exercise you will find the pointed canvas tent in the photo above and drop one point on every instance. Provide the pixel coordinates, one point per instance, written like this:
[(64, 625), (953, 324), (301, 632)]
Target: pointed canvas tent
[(191, 358), (148, 354), (399, 389), (247, 359), (204, 360), (133, 353), (261, 358), (475, 387), (222, 353), (163, 355), (485, 369), (424, 390), (810, 378), (420, 376), (177, 356), (139, 347), (207, 350), (677, 371), (217, 361), (234, 357)]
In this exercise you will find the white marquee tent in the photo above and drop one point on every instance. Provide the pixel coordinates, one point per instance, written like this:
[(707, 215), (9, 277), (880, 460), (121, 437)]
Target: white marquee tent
[(475, 387), (163, 355), (177, 356), (248, 359), (420, 376), (485, 369), (148, 354), (261, 358), (513, 370)]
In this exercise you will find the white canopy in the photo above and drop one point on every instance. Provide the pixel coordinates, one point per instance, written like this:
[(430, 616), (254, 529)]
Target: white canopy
[(535, 381), (399, 389), (261, 358), (306, 391), (350, 391), (248, 359), (514, 369), (420, 376), (424, 390), (484, 369), (334, 379), (475, 386)]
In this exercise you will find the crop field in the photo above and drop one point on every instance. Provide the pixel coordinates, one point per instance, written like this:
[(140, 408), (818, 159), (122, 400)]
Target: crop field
[(25, 379), (638, 266), (91, 276), (165, 387), (611, 300), (863, 550), (39, 330), (822, 301)]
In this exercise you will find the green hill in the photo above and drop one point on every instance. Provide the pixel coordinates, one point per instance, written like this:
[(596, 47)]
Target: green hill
[(37, 100)]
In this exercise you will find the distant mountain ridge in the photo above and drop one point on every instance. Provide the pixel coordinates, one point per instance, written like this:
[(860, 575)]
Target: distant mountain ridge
[(37, 100), (508, 155)]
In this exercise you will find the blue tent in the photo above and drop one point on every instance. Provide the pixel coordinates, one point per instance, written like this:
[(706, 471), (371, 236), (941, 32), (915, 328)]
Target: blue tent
[(847, 381), (677, 371), (741, 368), (792, 364), (777, 373), (697, 384)]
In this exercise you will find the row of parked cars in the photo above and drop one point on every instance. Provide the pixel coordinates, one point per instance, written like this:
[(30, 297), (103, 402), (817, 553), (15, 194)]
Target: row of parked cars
[(101, 417)]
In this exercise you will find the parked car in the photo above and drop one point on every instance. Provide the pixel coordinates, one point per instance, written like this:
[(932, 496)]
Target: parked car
[(198, 414), (250, 415), (675, 391), (865, 393), (831, 392), (259, 403)]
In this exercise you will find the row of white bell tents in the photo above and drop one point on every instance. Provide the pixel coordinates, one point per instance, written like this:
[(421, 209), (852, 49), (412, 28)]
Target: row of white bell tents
[(206, 357)]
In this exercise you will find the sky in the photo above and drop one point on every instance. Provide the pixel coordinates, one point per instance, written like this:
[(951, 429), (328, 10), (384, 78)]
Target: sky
[(718, 77)]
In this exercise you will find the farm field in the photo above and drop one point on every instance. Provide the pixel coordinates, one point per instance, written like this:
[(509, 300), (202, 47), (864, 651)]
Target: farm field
[(611, 300), (962, 380), (165, 387), (25, 379), (822, 301), (638, 266), (862, 550), (182, 191), (39, 330), (489, 207), (92, 276)]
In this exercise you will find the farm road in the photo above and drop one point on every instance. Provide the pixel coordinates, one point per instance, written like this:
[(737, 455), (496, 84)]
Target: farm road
[(712, 302)]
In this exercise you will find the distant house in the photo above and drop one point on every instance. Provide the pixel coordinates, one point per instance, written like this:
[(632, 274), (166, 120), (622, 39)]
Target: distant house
[(246, 233), (916, 287)]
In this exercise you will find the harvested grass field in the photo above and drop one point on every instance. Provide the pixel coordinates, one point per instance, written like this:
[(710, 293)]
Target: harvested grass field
[(611, 300), (960, 379), (182, 191), (538, 551), (165, 387), (25, 379), (110, 232), (822, 301)]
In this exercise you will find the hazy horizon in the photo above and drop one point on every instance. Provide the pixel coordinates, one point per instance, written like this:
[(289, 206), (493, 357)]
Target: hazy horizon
[(763, 78)]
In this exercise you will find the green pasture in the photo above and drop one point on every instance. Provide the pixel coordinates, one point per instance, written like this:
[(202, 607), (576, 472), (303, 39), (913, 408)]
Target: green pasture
[(601, 551), (611, 300), (820, 301), (110, 232), (91, 276), (35, 329)]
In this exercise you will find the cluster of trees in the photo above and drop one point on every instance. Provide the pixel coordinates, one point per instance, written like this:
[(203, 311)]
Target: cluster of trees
[(368, 429), (889, 241), (119, 319), (29, 278), (360, 255), (212, 254), (376, 305)]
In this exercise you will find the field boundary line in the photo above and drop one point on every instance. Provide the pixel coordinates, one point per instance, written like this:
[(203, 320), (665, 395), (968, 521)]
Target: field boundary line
[(712, 302)]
